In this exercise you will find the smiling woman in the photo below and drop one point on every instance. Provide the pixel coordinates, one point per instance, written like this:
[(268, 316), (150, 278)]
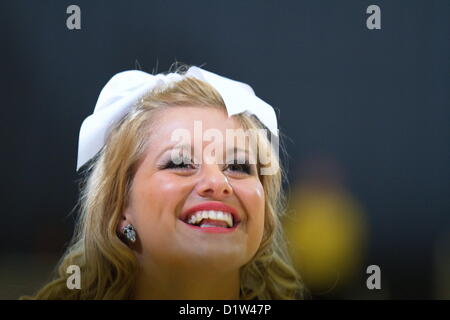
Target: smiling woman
[(155, 224)]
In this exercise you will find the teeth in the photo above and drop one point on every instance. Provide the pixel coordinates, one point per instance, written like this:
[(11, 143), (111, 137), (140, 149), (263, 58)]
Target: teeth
[(191, 220), (197, 217), (206, 225)]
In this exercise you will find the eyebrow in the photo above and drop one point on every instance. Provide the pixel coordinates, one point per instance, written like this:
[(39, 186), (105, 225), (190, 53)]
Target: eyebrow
[(188, 146), (236, 150), (173, 147)]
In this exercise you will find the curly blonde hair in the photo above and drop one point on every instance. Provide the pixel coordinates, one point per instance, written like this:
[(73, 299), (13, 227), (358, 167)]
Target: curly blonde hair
[(108, 266)]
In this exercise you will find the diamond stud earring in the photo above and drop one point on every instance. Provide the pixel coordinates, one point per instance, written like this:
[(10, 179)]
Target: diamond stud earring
[(130, 233)]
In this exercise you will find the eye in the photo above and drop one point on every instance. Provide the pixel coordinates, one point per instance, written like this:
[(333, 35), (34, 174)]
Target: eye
[(178, 164), (241, 168)]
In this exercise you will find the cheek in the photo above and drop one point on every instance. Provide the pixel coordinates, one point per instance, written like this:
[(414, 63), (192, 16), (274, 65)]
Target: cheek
[(156, 198), (161, 189), (251, 194)]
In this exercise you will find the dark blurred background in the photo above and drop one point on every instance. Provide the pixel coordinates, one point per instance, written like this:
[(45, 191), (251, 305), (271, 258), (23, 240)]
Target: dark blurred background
[(366, 113)]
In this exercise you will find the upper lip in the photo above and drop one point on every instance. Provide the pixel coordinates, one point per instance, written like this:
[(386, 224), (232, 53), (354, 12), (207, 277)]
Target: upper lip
[(216, 206)]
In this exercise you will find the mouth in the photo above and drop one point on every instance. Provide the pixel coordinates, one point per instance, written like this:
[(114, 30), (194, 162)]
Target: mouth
[(211, 217)]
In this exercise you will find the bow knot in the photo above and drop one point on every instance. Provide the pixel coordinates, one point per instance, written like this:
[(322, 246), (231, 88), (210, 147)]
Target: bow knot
[(126, 88)]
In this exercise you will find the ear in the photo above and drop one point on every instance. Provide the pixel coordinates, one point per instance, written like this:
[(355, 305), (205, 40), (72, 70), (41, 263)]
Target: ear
[(125, 219)]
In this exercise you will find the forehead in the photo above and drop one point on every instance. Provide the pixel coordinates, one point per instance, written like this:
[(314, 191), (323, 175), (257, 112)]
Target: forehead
[(189, 117), (168, 121)]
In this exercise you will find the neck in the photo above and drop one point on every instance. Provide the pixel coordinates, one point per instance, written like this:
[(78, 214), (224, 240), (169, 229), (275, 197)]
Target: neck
[(186, 284)]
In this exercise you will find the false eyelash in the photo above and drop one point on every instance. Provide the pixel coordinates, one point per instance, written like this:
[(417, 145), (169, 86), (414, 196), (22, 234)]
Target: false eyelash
[(172, 165), (243, 167), (240, 167)]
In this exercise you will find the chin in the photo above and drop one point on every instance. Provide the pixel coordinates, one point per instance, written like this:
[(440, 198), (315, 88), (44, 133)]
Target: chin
[(216, 258)]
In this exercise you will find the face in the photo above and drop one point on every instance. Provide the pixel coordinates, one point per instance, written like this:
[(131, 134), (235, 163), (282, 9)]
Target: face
[(208, 210)]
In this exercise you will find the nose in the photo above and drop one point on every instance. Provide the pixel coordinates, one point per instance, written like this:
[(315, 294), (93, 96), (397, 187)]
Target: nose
[(213, 183)]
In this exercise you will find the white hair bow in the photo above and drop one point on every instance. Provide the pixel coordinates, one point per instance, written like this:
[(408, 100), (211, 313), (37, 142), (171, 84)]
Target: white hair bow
[(126, 88)]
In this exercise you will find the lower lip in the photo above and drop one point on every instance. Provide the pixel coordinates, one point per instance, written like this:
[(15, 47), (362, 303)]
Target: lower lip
[(212, 229)]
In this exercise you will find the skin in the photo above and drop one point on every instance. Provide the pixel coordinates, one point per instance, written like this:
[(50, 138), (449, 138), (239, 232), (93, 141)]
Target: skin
[(176, 261)]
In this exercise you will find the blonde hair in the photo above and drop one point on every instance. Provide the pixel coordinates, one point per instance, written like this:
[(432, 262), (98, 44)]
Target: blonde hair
[(108, 266)]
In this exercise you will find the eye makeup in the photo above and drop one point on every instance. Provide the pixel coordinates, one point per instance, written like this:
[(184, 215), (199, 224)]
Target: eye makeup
[(236, 164)]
